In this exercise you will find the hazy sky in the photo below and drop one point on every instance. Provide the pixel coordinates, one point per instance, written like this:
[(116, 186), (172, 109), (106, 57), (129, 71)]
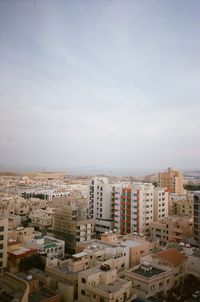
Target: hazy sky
[(104, 83)]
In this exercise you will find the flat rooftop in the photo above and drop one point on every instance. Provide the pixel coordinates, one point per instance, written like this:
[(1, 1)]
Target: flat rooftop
[(131, 243), (20, 250), (113, 288), (148, 274), (40, 296), (10, 291)]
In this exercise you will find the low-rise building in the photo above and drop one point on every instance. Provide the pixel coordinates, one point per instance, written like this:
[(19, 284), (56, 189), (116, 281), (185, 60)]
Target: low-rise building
[(42, 217), (21, 234), (48, 246), (99, 252), (16, 253), (13, 288), (102, 284), (174, 259), (150, 280)]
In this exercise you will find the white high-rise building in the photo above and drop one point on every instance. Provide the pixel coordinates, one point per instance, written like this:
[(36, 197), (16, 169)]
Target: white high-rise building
[(101, 204), (161, 204)]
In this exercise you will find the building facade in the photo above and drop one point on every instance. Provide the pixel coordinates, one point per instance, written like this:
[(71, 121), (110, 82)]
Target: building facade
[(172, 180), (197, 217), (71, 224), (134, 208), (3, 242), (101, 204)]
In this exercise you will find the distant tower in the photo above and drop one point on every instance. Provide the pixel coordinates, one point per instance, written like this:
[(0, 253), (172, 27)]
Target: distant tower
[(172, 180)]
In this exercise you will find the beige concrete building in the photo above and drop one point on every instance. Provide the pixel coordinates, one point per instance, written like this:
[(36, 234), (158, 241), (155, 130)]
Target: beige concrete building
[(48, 246), (150, 280), (37, 293), (131, 248), (172, 180), (181, 204), (21, 234), (172, 229), (13, 288), (65, 274), (103, 285), (99, 253), (3, 242), (71, 224), (174, 259), (42, 218)]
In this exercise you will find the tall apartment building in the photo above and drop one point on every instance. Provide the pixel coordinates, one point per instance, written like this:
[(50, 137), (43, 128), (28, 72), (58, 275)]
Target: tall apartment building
[(71, 224), (160, 204), (137, 206), (101, 204), (3, 242), (172, 180), (197, 217)]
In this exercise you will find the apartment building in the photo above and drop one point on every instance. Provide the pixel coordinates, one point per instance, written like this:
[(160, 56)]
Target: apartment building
[(65, 274), (42, 217), (102, 284), (134, 208), (150, 280), (3, 242), (72, 224), (197, 217), (118, 251), (172, 229), (101, 204), (181, 204), (21, 234), (172, 180), (160, 203), (47, 245), (174, 259), (98, 252)]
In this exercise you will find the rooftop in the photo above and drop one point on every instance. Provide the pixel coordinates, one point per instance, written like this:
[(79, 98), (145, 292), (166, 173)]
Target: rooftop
[(131, 243), (8, 290), (149, 272), (172, 256), (40, 296), (114, 287)]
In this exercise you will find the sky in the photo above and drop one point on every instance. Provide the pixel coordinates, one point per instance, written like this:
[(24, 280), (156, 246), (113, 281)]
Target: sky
[(110, 84)]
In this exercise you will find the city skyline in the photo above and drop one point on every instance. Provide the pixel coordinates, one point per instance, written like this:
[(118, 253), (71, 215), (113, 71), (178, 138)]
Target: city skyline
[(99, 84)]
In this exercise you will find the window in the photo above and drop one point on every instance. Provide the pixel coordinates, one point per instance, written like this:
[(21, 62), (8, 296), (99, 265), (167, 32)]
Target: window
[(1, 237), (83, 280), (1, 246), (83, 292), (1, 228)]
